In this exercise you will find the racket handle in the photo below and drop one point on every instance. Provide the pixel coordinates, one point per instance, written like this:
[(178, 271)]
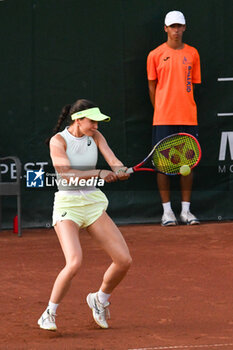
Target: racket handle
[(129, 171)]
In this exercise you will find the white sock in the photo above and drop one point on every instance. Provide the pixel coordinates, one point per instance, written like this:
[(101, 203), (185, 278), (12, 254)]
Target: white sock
[(185, 206), (52, 307), (103, 297), (167, 207)]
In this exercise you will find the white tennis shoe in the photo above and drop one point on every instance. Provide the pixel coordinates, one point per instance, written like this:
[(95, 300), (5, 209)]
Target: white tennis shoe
[(100, 311), (168, 219), (188, 218), (47, 321)]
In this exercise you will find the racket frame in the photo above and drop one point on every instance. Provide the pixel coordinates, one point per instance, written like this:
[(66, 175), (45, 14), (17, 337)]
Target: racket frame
[(138, 167)]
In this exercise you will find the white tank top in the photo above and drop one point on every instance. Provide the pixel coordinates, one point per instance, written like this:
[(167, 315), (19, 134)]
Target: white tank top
[(82, 153)]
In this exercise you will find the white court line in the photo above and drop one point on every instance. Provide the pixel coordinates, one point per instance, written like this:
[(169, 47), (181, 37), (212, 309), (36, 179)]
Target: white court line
[(225, 79), (185, 347), (224, 114)]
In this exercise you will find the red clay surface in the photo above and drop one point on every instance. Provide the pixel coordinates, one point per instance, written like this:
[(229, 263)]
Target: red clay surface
[(179, 291)]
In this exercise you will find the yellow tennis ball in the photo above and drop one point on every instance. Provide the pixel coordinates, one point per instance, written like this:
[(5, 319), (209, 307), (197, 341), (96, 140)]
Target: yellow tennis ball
[(185, 170)]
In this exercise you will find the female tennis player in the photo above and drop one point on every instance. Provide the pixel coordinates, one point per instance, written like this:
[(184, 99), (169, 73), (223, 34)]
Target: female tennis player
[(74, 156)]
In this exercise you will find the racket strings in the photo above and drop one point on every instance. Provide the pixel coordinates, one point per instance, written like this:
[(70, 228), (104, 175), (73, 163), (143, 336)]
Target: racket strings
[(173, 152)]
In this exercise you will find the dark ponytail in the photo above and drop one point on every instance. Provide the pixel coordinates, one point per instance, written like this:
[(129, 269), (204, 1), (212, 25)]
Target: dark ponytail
[(68, 110), (62, 117)]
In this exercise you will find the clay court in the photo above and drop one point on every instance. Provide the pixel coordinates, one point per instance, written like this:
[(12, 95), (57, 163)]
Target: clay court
[(177, 295)]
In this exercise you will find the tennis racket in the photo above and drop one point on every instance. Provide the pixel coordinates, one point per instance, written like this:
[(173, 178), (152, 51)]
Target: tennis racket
[(169, 154)]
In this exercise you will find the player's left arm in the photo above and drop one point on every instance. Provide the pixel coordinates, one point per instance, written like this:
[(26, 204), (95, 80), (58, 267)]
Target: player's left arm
[(116, 165)]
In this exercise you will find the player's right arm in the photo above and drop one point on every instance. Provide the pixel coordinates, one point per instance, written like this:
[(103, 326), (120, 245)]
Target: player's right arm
[(152, 75), (152, 89)]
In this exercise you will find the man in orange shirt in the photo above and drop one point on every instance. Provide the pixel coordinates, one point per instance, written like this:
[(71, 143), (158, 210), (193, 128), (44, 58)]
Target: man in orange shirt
[(172, 69)]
